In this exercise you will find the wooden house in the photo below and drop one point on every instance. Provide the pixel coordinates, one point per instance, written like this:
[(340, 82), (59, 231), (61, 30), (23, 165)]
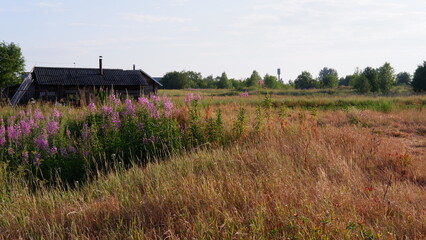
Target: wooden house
[(71, 84)]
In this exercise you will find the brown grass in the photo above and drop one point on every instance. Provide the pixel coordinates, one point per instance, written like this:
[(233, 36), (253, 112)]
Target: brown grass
[(338, 175)]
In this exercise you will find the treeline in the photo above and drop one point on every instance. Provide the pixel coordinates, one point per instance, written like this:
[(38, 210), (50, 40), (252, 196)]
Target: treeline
[(377, 80), (190, 79)]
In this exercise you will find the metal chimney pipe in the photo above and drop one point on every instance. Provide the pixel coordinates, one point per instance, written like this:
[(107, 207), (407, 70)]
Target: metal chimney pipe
[(101, 70), (134, 67)]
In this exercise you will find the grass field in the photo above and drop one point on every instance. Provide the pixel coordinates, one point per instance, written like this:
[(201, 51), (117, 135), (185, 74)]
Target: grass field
[(285, 167)]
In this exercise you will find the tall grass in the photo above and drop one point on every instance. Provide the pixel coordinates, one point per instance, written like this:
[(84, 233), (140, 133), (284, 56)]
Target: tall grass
[(252, 172)]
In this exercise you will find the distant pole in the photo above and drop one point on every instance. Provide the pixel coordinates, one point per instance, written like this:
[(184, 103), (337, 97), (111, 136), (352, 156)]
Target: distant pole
[(279, 74)]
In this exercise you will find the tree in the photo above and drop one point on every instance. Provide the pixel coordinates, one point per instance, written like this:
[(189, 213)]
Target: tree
[(271, 81), (386, 77), (305, 81), (361, 83), (224, 82), (403, 78), (328, 78), (253, 80), (12, 64), (346, 80), (181, 80), (372, 77), (419, 79)]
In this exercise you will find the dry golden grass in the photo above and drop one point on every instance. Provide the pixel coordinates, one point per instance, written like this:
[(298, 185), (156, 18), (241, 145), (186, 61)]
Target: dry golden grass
[(330, 175)]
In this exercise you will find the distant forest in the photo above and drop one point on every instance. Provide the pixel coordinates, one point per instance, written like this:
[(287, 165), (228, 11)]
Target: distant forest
[(366, 80)]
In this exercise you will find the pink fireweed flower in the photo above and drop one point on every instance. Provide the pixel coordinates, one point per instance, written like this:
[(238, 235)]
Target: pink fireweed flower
[(38, 115), (14, 132), (41, 142), (64, 152), (56, 114), (115, 120), (2, 141), (68, 133), (130, 109), (143, 101), (168, 106), (155, 98), (189, 97), (260, 82), (115, 99), (106, 110), (25, 127), (152, 110), (92, 107), (21, 113), (52, 127), (197, 97), (53, 151), (244, 94)]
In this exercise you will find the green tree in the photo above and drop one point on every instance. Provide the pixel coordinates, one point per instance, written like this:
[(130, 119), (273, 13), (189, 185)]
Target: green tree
[(181, 80), (372, 77), (403, 78), (305, 81), (271, 81), (328, 78), (346, 80), (253, 79), (419, 79), (224, 82), (12, 64), (361, 83), (386, 77)]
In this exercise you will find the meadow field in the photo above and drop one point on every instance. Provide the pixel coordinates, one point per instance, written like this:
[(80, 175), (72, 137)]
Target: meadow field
[(216, 164)]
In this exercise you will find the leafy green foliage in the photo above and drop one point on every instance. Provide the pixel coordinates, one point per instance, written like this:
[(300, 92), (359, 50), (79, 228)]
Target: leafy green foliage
[(328, 78), (224, 82), (403, 78), (386, 77), (305, 81), (11, 64), (253, 79), (419, 79)]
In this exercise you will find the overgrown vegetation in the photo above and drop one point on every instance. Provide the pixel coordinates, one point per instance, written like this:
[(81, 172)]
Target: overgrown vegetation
[(251, 167)]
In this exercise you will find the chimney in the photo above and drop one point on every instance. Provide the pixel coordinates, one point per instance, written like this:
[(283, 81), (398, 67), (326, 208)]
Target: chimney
[(134, 67), (101, 70)]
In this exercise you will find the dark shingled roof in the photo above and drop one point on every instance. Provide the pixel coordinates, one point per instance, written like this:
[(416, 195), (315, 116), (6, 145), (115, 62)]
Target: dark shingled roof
[(88, 77)]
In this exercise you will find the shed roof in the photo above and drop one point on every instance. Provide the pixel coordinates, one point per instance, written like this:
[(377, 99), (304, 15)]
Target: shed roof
[(88, 76)]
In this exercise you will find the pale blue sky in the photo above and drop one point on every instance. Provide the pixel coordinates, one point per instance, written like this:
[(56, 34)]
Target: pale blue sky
[(210, 37)]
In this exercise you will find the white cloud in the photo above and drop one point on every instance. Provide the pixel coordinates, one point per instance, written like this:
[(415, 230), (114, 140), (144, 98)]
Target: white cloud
[(154, 18), (51, 6)]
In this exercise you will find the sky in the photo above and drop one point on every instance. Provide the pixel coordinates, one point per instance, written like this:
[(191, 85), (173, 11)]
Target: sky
[(211, 37)]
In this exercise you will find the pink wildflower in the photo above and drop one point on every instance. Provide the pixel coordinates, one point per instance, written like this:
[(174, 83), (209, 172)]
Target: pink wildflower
[(52, 127), (130, 109), (25, 127), (56, 113), (244, 94), (92, 107), (41, 142), (38, 115), (168, 106), (53, 151), (260, 82), (106, 110)]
